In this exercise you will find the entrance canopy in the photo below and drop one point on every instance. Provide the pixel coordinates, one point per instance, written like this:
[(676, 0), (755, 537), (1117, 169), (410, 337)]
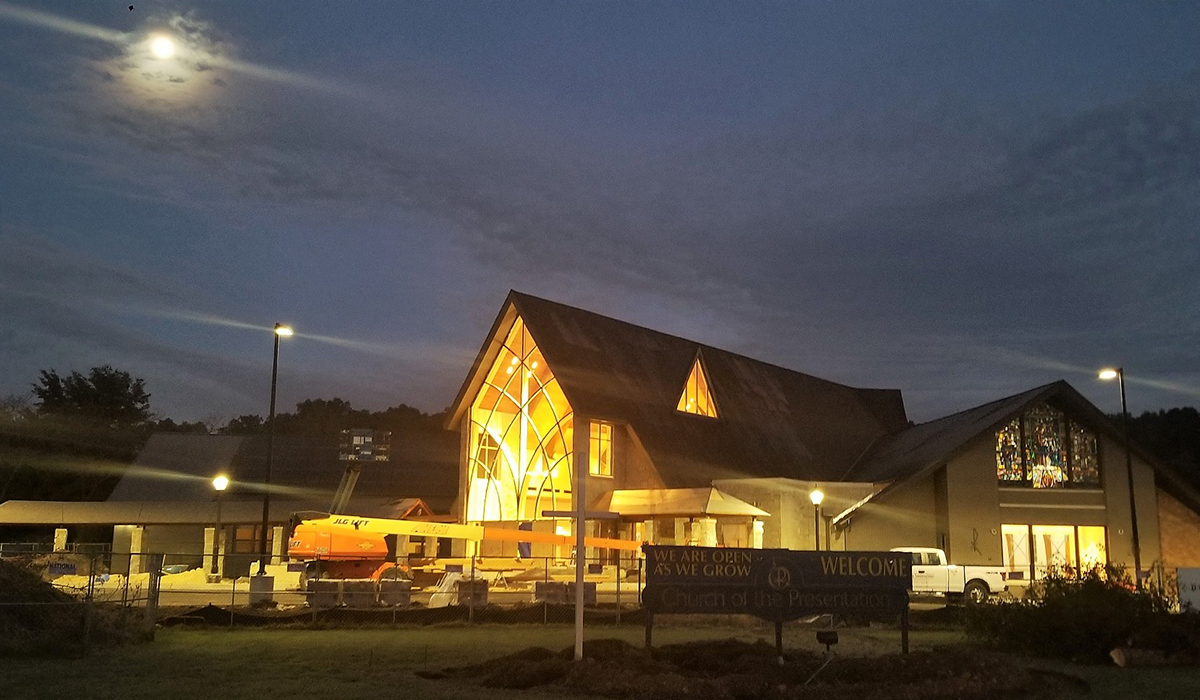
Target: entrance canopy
[(695, 502)]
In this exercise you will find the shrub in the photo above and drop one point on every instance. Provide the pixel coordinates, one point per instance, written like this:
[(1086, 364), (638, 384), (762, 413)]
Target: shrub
[(1085, 617)]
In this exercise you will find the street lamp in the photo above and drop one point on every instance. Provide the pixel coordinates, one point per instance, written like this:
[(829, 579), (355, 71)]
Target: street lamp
[(281, 331), (816, 497), (1108, 374), (220, 483)]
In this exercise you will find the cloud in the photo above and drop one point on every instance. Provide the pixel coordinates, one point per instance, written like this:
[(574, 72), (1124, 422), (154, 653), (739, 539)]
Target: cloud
[(924, 244)]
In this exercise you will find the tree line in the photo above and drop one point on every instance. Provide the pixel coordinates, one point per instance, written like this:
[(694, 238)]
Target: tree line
[(109, 399), (72, 435), (101, 418)]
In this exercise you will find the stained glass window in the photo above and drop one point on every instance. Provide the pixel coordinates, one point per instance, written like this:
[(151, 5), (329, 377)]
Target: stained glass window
[(1085, 460), (1008, 453), (1045, 447)]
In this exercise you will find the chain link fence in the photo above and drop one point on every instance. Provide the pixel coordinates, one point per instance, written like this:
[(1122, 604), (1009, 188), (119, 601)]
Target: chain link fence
[(70, 587), (471, 589)]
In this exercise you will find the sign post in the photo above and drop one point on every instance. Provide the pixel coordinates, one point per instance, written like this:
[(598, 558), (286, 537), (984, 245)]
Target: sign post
[(776, 585)]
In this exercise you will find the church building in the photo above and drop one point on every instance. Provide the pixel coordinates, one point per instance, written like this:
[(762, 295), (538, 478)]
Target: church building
[(684, 443)]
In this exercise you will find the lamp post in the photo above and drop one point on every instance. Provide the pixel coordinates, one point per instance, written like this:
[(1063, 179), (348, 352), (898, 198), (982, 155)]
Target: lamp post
[(816, 497), (281, 331), (1109, 374), (220, 483)]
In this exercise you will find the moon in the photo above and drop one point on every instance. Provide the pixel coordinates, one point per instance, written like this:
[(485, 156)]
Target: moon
[(162, 47)]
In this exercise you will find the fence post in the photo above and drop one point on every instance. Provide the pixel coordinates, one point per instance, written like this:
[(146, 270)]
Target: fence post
[(618, 589), (471, 594), (639, 580), (546, 592), (87, 610), (232, 601), (150, 614)]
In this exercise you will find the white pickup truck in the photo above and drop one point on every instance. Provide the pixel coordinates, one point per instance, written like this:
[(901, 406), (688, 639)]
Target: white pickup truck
[(971, 584)]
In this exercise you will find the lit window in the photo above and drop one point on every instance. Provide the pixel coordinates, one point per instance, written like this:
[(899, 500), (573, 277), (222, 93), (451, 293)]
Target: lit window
[(1008, 453), (521, 435), (1014, 550), (485, 457), (1093, 551), (1085, 460), (1045, 447), (1054, 550), (1042, 449), (1039, 550), (600, 451), (696, 398)]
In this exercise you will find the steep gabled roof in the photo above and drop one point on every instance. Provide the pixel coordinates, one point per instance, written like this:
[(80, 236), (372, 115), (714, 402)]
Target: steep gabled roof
[(910, 451), (774, 422), (920, 449)]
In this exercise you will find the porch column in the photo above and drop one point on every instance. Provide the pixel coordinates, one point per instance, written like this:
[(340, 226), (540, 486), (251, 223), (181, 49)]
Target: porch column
[(209, 534), (706, 532), (277, 545)]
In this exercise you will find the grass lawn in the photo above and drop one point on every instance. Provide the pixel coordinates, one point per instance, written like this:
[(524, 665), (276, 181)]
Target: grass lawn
[(378, 663)]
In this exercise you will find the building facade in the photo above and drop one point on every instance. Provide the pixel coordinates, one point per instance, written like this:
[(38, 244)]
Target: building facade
[(684, 443)]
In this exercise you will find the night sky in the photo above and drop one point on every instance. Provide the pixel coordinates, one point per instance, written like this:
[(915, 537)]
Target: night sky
[(961, 200)]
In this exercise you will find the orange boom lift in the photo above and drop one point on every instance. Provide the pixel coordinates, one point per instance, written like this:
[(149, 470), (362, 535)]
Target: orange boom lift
[(348, 546)]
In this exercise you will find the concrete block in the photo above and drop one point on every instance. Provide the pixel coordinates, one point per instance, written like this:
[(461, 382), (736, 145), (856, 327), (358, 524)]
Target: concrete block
[(553, 592), (395, 593), (324, 594), (358, 594), (472, 592), (262, 590), (589, 593)]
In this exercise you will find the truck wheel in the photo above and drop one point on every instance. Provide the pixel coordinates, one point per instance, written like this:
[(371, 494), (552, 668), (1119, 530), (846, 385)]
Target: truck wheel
[(975, 592), (312, 570), (394, 573)]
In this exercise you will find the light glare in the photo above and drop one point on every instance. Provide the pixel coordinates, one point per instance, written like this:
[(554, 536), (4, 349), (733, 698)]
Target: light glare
[(221, 483), (284, 331), (816, 497), (1108, 374)]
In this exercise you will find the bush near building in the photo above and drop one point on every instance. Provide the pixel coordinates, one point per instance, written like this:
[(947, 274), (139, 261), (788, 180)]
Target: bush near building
[(1085, 617), (36, 619)]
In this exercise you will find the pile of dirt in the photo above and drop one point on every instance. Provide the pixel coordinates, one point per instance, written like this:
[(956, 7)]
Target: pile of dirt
[(38, 619), (736, 670)]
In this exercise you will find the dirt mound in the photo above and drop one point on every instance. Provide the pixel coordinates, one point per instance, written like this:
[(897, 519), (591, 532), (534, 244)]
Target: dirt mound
[(735, 670), (38, 619)]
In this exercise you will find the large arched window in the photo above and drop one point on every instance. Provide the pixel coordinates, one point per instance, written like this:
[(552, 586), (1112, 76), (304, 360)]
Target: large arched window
[(520, 437), (1044, 449)]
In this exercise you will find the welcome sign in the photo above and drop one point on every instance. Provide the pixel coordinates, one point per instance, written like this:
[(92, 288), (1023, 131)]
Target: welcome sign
[(774, 584)]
